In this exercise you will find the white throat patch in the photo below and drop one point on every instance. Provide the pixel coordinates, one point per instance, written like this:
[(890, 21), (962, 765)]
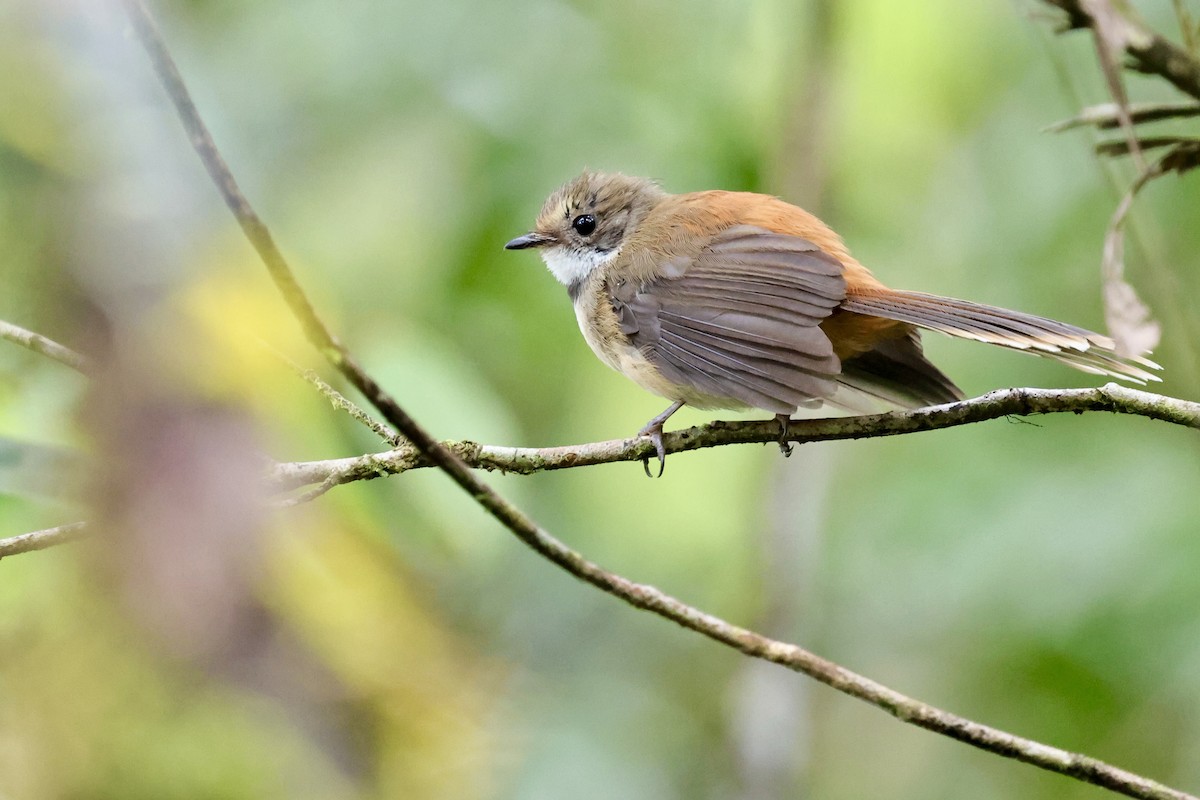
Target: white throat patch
[(572, 266)]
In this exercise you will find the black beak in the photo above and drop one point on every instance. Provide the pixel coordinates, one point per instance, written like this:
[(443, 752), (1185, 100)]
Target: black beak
[(534, 239)]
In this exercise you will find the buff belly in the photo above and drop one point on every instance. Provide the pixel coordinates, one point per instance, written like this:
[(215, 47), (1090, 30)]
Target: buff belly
[(603, 335)]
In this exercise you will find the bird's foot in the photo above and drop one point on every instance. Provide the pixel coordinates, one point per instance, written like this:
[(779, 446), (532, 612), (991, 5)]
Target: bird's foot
[(655, 434), (785, 446)]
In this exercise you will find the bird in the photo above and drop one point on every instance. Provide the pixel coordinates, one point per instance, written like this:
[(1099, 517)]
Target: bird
[(739, 300)]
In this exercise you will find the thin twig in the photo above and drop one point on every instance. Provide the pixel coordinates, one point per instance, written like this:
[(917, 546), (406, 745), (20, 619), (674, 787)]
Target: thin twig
[(43, 345), (342, 403), (1108, 33), (530, 533), (1126, 316), (320, 489), (528, 460), (1148, 51), (1114, 239), (1106, 115), (40, 540), (1116, 148)]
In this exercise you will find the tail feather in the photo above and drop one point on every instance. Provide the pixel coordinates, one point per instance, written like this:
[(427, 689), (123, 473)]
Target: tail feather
[(1077, 347), (897, 373)]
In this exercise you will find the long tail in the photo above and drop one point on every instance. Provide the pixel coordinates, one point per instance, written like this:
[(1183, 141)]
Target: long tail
[(1076, 347)]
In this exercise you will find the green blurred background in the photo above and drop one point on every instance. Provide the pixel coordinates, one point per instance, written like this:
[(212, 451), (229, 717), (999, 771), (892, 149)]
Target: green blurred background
[(388, 639)]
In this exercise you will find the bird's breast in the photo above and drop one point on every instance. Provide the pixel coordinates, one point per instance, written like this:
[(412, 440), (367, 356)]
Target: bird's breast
[(601, 329)]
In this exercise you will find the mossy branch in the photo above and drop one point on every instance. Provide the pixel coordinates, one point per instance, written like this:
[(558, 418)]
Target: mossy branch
[(1113, 398)]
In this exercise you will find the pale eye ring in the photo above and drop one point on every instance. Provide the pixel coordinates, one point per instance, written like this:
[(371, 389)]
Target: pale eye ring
[(584, 224)]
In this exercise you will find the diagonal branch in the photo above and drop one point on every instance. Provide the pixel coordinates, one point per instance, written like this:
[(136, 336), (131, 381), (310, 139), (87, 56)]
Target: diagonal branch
[(341, 403), (528, 460), (1148, 51), (901, 706), (40, 540), (46, 346), (525, 529), (1108, 33)]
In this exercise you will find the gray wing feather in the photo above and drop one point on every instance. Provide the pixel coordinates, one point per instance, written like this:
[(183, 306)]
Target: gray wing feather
[(740, 321), (1075, 346)]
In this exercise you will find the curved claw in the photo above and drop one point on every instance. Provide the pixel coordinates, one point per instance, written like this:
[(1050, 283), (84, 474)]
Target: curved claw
[(785, 446), (654, 430), (656, 436)]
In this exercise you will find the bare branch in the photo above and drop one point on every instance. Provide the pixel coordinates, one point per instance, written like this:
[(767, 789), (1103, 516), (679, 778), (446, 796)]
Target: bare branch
[(1115, 148), (1148, 51), (528, 460), (331, 481), (40, 540), (638, 595), (1128, 319), (340, 402), (43, 345), (1106, 116), (1108, 32), (1126, 316)]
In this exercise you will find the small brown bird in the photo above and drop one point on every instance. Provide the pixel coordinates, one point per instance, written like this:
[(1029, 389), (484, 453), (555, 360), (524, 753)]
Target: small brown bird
[(737, 300)]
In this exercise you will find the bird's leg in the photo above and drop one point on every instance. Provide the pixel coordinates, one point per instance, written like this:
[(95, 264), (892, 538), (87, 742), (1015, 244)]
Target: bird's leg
[(785, 446), (654, 430)]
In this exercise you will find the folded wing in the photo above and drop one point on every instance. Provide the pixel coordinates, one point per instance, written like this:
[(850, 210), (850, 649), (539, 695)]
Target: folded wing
[(741, 321)]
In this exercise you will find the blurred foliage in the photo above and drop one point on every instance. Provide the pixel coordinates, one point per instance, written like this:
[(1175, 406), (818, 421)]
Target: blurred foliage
[(388, 639)]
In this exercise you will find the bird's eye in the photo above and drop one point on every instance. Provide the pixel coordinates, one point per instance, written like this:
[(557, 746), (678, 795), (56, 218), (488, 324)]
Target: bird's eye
[(584, 224)]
